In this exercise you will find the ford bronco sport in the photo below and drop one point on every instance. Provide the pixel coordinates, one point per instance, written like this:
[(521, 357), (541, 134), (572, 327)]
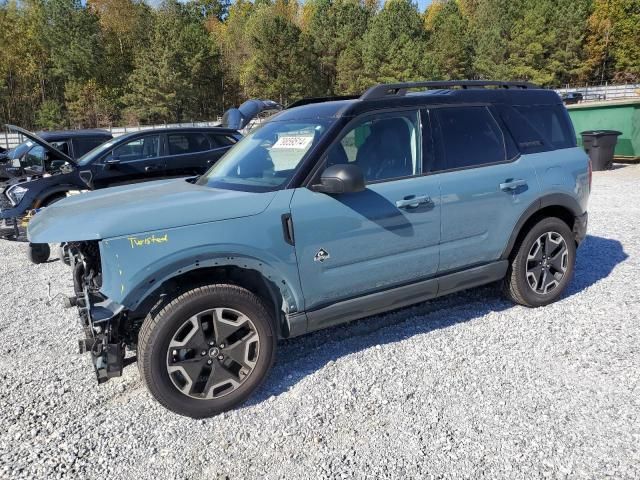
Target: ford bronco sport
[(333, 210)]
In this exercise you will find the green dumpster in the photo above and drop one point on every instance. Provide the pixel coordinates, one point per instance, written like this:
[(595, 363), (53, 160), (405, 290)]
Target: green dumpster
[(622, 115)]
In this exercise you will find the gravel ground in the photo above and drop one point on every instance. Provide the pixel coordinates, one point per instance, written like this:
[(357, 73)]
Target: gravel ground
[(466, 386)]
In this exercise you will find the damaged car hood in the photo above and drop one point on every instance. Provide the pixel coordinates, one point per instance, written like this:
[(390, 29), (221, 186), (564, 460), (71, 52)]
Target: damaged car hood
[(139, 208)]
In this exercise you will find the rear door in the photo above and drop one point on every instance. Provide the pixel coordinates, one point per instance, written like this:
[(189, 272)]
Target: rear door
[(485, 185), (137, 159), (188, 153)]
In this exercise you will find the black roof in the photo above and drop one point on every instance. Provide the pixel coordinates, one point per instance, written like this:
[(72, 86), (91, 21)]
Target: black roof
[(54, 135), (400, 95), (222, 130)]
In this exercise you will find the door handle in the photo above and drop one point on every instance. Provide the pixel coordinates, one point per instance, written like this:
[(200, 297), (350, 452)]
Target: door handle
[(512, 185), (151, 168), (413, 201)]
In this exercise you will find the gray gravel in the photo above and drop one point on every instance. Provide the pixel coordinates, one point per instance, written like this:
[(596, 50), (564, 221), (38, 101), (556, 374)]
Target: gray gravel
[(467, 386)]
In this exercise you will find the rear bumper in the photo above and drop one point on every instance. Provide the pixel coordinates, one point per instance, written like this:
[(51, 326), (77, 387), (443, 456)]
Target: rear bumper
[(580, 227)]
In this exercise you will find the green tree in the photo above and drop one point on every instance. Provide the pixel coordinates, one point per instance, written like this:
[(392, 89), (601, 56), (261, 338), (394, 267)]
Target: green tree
[(395, 46), (281, 67), (177, 77), (613, 48), (332, 28), (50, 116), (450, 45), (87, 105)]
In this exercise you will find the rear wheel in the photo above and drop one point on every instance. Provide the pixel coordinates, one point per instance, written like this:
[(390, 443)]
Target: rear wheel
[(207, 350), (542, 265)]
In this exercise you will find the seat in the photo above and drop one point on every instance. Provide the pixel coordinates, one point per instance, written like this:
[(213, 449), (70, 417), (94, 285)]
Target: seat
[(386, 153)]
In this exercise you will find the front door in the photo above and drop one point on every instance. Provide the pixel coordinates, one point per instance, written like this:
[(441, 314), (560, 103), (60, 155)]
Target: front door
[(136, 160), (387, 235)]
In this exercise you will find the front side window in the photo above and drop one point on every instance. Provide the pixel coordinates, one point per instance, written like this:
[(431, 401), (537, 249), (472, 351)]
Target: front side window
[(140, 148), (267, 158), (181, 143), (470, 137), (384, 146)]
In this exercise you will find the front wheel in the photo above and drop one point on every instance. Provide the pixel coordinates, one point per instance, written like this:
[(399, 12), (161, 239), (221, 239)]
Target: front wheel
[(543, 264), (207, 351), (38, 252)]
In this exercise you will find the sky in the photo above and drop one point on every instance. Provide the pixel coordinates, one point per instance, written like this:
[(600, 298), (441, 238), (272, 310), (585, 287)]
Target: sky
[(422, 4)]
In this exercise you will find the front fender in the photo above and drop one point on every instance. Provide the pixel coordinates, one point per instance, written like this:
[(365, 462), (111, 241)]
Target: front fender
[(134, 267), (131, 291)]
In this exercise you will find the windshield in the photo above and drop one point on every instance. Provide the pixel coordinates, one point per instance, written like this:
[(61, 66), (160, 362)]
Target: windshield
[(88, 157), (267, 158)]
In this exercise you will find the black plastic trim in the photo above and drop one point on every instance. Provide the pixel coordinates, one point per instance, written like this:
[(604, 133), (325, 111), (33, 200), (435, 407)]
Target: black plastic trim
[(580, 227), (400, 89), (287, 229), (551, 200), (403, 296)]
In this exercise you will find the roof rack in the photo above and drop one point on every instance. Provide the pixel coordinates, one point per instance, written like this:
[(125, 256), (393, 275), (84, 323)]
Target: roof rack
[(400, 89), (310, 100)]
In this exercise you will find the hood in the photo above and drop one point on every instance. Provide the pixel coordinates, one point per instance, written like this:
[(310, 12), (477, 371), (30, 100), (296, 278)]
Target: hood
[(238, 118), (146, 207), (43, 143)]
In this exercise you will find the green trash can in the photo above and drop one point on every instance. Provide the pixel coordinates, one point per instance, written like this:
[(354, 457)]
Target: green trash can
[(599, 145)]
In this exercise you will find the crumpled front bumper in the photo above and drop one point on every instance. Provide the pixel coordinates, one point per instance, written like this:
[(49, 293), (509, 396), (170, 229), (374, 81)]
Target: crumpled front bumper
[(100, 319)]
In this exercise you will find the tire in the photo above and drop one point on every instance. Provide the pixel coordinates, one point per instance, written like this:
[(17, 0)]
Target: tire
[(51, 200), (526, 282), (165, 368), (38, 252)]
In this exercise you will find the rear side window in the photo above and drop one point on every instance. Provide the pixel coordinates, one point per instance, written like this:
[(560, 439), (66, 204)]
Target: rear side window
[(181, 143), (550, 122), (469, 137)]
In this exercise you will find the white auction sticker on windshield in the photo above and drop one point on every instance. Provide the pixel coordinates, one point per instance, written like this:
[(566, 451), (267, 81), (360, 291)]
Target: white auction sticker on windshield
[(293, 143)]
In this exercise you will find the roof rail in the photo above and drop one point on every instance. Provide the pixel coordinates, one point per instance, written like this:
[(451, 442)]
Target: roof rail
[(310, 100), (400, 89)]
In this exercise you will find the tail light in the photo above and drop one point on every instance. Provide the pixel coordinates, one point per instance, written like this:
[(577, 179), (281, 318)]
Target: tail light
[(590, 174)]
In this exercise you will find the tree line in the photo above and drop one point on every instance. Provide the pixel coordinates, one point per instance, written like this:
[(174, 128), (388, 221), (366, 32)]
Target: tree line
[(71, 63)]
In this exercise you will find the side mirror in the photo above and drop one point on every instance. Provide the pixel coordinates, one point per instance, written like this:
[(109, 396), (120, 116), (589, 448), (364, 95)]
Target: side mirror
[(342, 178)]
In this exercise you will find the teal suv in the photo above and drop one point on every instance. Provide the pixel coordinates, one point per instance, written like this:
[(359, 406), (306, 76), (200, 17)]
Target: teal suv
[(333, 210)]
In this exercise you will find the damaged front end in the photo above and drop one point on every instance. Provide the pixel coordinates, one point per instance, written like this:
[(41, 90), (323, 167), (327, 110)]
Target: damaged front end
[(102, 319)]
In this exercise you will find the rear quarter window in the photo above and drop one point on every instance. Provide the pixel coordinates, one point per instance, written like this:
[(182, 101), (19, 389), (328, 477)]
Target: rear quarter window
[(222, 140), (550, 122)]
